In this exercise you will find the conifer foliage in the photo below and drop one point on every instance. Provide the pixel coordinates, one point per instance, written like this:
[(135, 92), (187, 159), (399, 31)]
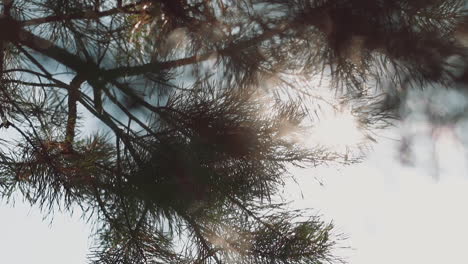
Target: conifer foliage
[(199, 107)]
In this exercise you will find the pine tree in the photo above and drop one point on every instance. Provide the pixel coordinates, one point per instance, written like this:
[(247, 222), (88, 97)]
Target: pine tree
[(198, 98)]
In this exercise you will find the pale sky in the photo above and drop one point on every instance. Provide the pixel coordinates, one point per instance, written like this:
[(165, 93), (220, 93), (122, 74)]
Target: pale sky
[(25, 238), (396, 212), (390, 212)]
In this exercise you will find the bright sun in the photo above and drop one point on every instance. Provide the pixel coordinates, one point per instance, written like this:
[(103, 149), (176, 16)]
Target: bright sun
[(336, 127), (337, 130)]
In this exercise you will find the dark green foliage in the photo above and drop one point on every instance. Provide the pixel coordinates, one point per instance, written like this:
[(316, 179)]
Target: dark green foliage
[(202, 103)]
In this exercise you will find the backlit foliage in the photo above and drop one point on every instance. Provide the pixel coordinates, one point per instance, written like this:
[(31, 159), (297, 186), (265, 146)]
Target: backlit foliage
[(201, 104)]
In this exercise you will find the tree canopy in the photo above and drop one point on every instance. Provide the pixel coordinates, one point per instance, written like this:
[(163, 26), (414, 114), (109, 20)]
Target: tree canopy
[(202, 103)]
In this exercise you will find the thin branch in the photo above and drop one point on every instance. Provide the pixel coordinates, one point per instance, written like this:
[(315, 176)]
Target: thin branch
[(73, 97), (89, 14), (36, 84)]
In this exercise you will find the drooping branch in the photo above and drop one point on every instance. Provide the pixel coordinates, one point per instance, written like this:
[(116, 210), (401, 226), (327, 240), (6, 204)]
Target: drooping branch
[(73, 97)]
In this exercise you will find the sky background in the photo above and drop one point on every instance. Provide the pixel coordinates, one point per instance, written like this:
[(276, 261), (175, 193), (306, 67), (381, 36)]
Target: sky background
[(391, 211), (26, 238)]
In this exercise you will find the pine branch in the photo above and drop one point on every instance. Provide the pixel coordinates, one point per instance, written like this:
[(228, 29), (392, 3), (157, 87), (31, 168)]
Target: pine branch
[(73, 98), (83, 15)]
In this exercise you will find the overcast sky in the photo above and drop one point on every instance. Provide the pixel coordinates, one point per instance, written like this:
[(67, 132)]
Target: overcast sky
[(26, 238), (392, 212)]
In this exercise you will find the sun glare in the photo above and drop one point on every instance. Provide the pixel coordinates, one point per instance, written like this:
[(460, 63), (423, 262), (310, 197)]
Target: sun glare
[(337, 130), (336, 127)]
